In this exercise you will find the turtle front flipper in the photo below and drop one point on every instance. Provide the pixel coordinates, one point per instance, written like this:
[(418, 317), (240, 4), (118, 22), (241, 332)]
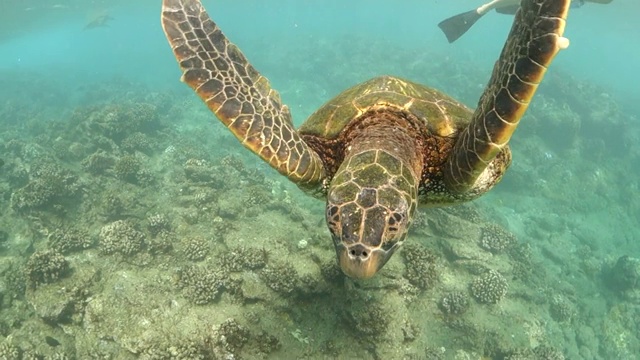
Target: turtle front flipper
[(237, 93), (481, 155)]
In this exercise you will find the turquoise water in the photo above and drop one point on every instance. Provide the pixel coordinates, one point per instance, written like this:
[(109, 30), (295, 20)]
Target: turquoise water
[(132, 225)]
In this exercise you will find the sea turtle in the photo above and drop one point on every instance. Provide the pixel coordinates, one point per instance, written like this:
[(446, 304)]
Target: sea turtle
[(382, 147)]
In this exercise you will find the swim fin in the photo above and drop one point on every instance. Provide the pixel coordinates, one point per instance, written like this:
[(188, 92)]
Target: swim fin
[(457, 25), (510, 10)]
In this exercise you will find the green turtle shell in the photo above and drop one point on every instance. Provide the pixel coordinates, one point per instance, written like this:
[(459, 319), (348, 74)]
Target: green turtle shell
[(441, 114)]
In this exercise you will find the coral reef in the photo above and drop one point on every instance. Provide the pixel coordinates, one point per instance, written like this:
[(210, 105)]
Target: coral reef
[(121, 237), (267, 343), (128, 168), (246, 258), (137, 142), (281, 277), (540, 352), (467, 211), (370, 317), (202, 172), (496, 239), (489, 288), (454, 303), (420, 266), (98, 163), (45, 267), (624, 275), (257, 196), (201, 285), (50, 184), (117, 121), (561, 309), (112, 205), (9, 351), (266, 259), (69, 240), (234, 162), (158, 223), (331, 272), (176, 349), (195, 248), (522, 263), (230, 336)]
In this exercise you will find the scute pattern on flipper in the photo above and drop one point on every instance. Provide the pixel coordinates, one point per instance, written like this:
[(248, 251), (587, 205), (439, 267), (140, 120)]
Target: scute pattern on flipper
[(237, 93), (535, 39)]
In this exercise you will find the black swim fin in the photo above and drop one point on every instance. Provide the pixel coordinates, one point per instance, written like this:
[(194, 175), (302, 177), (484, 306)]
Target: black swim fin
[(457, 25), (508, 10)]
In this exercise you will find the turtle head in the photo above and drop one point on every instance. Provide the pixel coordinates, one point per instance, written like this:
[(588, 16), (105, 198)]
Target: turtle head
[(370, 204)]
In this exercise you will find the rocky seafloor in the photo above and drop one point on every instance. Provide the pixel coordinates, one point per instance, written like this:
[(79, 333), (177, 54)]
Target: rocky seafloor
[(131, 227)]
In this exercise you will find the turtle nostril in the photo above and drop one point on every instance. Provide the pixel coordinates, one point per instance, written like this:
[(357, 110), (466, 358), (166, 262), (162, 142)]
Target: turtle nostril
[(359, 251)]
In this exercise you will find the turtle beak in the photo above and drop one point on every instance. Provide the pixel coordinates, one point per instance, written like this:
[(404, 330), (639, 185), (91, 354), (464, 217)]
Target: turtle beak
[(362, 262)]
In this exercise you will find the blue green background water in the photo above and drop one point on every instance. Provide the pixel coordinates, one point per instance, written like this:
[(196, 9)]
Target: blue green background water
[(311, 50)]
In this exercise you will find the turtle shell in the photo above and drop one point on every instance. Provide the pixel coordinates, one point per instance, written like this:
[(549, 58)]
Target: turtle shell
[(440, 114)]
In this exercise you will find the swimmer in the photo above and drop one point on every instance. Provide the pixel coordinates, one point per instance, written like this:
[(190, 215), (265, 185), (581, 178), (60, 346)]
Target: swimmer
[(455, 26)]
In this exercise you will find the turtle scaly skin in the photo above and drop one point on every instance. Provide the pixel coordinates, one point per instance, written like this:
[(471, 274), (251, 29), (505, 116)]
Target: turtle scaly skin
[(382, 147)]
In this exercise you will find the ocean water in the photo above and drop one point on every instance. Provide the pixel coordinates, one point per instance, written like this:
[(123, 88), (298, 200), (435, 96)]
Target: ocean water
[(133, 225)]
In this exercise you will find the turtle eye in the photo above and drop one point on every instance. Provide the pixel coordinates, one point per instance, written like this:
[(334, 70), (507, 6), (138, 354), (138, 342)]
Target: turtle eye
[(394, 222), (386, 246)]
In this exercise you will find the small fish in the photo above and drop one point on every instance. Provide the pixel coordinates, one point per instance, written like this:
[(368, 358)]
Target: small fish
[(51, 341), (100, 21)]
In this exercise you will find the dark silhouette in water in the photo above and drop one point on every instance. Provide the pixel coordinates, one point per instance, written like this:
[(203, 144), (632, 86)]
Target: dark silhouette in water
[(100, 21), (457, 25)]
